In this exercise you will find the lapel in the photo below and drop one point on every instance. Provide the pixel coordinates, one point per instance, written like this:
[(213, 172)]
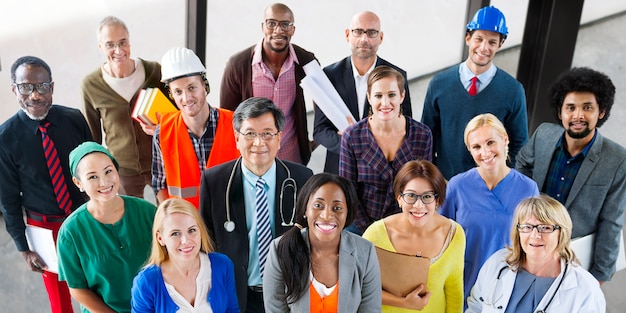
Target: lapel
[(350, 89), (237, 205), (586, 168), (347, 269), (375, 157), (545, 152)]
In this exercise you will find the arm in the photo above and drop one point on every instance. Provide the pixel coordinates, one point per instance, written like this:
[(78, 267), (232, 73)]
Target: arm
[(158, 171), (274, 295), (142, 292), (230, 89), (412, 301), (453, 286), (517, 125), (231, 290), (525, 159), (91, 115), (348, 169), (90, 300), (406, 104), (325, 132), (371, 300), (431, 118)]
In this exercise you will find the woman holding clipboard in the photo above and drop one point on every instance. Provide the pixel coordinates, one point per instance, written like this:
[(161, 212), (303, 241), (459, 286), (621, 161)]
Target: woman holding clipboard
[(419, 230)]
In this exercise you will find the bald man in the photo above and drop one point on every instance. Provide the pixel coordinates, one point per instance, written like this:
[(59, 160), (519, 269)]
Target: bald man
[(349, 76)]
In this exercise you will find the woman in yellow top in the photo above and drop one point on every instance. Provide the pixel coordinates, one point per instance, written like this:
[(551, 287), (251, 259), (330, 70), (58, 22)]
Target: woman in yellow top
[(420, 189)]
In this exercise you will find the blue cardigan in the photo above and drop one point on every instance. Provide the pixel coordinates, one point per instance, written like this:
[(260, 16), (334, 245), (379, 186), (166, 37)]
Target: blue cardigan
[(149, 293)]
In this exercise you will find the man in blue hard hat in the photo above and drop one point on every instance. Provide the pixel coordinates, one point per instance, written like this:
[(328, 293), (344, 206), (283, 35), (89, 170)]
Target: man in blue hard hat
[(474, 87)]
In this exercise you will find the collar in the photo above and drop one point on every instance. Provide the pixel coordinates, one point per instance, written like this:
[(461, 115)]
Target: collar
[(257, 56), (559, 144), (33, 125), (251, 178), (355, 72), (466, 74)]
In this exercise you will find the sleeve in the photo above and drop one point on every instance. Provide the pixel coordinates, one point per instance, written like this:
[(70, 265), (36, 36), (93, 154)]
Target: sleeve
[(70, 267), (610, 222), (448, 208), (230, 89), (453, 286), (91, 114), (371, 296), (593, 301), (517, 124), (274, 295), (142, 292), (525, 158), (325, 132), (431, 117), (11, 201), (406, 104), (348, 169), (158, 171)]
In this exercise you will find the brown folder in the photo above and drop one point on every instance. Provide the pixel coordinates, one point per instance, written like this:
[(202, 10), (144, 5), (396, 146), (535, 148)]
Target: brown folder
[(402, 273)]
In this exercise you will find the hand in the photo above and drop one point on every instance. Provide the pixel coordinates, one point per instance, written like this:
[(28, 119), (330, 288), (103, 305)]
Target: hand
[(148, 129), (350, 122), (35, 263), (418, 298)]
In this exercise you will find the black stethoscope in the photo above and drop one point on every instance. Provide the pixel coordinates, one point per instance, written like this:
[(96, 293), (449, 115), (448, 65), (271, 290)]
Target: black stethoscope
[(545, 308), (229, 225)]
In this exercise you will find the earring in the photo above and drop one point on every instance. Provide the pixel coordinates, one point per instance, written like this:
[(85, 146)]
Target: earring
[(81, 189)]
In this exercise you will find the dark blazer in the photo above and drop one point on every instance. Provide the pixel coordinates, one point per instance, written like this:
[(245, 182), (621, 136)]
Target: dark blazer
[(597, 199), (213, 211), (324, 132)]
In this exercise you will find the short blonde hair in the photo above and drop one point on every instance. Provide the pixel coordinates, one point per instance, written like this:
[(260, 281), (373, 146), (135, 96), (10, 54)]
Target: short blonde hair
[(548, 211), (159, 254), (481, 120)]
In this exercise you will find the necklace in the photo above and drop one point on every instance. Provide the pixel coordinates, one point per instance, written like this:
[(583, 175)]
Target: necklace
[(327, 263)]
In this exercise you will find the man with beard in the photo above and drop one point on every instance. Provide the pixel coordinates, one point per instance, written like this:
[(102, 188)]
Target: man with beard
[(579, 167), (34, 166), (272, 69), (349, 76), (474, 87)]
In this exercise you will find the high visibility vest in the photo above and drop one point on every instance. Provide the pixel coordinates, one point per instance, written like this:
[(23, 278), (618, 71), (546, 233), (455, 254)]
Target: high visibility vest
[(180, 162)]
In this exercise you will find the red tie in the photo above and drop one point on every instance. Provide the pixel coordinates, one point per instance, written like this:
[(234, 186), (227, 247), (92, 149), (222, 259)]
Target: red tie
[(56, 172), (473, 90)]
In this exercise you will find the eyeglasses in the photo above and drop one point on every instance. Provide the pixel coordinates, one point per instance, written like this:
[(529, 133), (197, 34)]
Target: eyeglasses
[(284, 25), (358, 32), (266, 136), (528, 228), (112, 46), (411, 198), (26, 89)]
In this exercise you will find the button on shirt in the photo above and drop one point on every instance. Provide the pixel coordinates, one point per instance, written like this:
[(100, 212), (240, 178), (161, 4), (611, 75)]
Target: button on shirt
[(484, 79), (360, 84), (249, 195), (563, 170)]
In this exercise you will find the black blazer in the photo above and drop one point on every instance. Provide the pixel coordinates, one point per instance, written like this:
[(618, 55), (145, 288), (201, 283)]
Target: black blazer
[(213, 211), (324, 132)]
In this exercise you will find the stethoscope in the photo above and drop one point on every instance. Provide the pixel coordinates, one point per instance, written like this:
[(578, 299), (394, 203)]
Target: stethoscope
[(229, 225), (545, 308)]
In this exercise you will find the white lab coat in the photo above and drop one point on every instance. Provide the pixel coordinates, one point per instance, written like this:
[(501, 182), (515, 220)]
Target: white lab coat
[(579, 292)]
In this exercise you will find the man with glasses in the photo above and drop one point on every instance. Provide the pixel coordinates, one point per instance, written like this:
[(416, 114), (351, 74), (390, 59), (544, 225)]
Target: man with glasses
[(229, 196), (109, 94), (272, 69), (34, 167), (192, 139), (349, 76)]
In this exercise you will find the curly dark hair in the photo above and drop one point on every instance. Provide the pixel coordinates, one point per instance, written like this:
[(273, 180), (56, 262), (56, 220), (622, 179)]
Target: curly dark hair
[(29, 60), (584, 79)]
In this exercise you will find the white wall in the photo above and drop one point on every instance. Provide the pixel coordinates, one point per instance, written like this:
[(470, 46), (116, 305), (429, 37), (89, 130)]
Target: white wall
[(420, 36)]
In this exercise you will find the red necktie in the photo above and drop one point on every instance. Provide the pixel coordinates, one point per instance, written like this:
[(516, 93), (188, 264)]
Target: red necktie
[(473, 90), (56, 172)]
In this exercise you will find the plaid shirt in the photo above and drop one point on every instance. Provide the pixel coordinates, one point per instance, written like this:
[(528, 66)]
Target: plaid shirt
[(364, 164), (201, 145), (563, 170)]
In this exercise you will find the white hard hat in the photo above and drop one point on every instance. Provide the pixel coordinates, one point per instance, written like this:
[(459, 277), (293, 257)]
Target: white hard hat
[(180, 62)]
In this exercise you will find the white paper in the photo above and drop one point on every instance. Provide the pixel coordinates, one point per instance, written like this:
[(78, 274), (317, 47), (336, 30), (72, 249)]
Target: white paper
[(323, 92), (584, 247), (41, 241)]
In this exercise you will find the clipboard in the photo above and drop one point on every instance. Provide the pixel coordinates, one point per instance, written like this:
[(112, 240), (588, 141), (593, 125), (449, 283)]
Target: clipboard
[(402, 273), (584, 247), (41, 241)]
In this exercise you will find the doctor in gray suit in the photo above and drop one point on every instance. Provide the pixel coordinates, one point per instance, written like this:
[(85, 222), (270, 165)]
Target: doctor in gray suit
[(579, 167), (349, 76), (228, 196)]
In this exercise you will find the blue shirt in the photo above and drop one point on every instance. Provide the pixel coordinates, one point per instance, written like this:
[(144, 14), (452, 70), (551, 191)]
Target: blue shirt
[(249, 195), (563, 170), (466, 75)]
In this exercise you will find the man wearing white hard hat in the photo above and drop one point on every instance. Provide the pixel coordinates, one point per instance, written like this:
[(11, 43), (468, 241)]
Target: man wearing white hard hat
[(192, 139), (474, 87)]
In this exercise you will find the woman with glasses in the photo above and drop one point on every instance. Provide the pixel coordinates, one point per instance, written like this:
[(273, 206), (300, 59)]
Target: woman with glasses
[(375, 148), (539, 272), (418, 229), (483, 199)]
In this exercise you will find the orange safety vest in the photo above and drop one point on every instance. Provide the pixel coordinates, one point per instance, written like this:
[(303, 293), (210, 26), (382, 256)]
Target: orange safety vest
[(329, 304), (179, 157)]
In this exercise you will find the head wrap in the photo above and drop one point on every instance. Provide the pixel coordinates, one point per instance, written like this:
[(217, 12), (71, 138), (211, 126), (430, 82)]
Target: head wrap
[(84, 149)]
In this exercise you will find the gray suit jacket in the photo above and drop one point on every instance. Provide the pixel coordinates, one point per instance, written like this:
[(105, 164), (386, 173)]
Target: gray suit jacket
[(359, 278), (597, 199)]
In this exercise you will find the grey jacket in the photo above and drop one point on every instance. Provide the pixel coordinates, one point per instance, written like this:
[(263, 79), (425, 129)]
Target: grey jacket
[(360, 288), (597, 199)]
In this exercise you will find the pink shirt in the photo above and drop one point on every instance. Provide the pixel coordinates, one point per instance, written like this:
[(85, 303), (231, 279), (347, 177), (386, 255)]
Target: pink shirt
[(282, 92)]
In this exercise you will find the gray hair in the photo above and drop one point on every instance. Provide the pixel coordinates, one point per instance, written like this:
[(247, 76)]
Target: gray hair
[(255, 107), (111, 20)]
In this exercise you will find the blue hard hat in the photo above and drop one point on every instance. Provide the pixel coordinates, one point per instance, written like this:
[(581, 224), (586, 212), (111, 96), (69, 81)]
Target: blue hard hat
[(489, 18)]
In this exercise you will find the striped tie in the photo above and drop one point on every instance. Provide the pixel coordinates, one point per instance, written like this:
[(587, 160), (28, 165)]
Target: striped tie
[(264, 232), (56, 172)]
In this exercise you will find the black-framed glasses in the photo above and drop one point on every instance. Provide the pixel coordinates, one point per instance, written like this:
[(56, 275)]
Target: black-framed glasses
[(542, 228), (411, 198), (26, 89), (111, 45), (284, 25), (266, 136), (358, 32)]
